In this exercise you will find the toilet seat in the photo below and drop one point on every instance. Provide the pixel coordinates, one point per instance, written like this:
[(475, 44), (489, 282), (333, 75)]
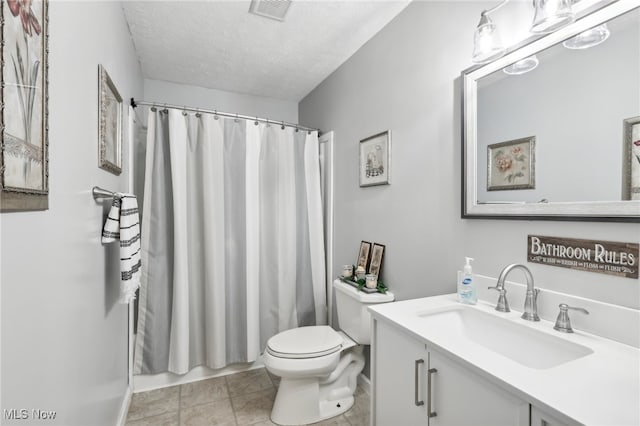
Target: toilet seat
[(305, 342)]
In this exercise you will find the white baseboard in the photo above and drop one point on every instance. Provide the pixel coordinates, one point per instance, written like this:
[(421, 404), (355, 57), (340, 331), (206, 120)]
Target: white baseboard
[(124, 407), (364, 383)]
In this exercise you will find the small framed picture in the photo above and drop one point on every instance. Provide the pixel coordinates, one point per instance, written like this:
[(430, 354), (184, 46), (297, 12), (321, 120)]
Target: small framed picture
[(110, 124), (375, 159), (631, 186), (377, 253), (511, 165), (364, 254)]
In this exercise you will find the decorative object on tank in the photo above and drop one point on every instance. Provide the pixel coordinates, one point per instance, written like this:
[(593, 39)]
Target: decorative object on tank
[(511, 165), (109, 124), (364, 255), (375, 159), (377, 254), (24, 47)]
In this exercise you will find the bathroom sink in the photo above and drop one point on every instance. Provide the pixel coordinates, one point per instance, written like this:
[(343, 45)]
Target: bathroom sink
[(518, 342)]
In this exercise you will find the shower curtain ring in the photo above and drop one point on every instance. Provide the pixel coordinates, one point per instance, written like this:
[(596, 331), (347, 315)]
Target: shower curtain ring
[(236, 119), (256, 122), (197, 113), (184, 110), (215, 114), (282, 127)]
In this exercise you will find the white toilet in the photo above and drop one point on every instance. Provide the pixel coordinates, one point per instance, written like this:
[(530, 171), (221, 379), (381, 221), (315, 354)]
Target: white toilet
[(319, 366)]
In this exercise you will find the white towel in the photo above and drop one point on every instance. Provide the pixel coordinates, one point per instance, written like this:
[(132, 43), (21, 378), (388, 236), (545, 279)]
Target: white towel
[(123, 224)]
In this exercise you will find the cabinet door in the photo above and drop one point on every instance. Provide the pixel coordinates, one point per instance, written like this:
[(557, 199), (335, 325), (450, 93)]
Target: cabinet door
[(461, 397), (540, 418), (396, 358)]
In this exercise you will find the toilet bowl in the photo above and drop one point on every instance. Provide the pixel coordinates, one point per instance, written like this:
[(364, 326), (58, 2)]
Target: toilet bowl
[(318, 365)]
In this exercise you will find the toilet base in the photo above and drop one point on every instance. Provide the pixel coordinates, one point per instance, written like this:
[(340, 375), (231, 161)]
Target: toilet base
[(303, 401), (297, 403)]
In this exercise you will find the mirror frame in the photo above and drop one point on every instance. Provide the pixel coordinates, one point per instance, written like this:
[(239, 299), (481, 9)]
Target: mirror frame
[(595, 211)]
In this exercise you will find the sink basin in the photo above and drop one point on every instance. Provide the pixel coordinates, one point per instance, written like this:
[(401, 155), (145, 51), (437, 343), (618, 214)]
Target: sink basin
[(518, 342)]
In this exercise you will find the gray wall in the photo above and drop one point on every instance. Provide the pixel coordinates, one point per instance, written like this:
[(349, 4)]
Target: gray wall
[(64, 338), (407, 79)]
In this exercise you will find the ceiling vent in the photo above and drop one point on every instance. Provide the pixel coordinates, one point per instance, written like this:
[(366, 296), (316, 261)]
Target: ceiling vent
[(273, 9)]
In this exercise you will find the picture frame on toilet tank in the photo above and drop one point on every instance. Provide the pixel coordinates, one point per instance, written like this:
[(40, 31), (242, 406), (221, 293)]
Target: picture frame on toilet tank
[(377, 254), (24, 51), (364, 255)]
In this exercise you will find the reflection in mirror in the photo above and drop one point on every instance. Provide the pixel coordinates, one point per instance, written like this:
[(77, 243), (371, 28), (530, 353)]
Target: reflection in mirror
[(550, 128), (574, 104)]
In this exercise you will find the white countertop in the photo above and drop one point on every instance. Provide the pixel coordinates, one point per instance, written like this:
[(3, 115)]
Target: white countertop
[(602, 388)]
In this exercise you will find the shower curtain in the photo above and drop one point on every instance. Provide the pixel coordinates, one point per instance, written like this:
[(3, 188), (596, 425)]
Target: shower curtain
[(232, 237)]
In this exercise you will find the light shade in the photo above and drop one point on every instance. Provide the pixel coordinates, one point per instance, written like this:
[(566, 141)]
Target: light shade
[(589, 38), (487, 45), (522, 66), (550, 15)]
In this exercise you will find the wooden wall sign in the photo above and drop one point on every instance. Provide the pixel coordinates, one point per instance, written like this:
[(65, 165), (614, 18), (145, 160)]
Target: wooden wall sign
[(604, 257)]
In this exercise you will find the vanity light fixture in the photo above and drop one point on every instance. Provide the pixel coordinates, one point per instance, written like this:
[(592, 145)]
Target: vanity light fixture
[(549, 15), (589, 38), (522, 66), (487, 45)]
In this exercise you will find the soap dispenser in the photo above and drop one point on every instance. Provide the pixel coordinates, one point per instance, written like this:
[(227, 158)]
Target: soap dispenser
[(467, 287)]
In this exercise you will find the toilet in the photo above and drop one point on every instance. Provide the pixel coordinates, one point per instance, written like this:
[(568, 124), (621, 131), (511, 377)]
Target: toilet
[(319, 366)]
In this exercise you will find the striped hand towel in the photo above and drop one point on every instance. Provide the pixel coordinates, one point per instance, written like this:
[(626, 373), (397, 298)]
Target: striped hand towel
[(123, 224)]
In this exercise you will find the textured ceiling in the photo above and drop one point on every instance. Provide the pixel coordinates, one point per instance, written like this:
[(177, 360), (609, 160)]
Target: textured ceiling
[(219, 45)]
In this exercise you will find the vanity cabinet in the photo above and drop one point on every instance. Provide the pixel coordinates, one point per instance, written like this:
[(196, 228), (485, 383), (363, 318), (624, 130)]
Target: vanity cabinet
[(540, 418), (417, 385)]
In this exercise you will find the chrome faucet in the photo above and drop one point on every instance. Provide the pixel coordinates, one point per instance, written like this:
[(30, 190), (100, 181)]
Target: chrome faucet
[(530, 303), (503, 304)]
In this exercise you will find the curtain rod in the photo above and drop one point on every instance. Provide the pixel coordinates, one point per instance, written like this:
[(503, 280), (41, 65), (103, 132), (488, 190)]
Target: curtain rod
[(135, 103)]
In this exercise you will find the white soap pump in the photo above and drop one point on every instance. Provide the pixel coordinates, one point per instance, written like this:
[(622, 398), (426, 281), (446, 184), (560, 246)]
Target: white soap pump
[(466, 287)]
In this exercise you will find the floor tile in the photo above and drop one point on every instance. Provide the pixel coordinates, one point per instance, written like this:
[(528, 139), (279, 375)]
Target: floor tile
[(153, 403), (334, 421), (167, 419), (248, 382), (214, 413), (203, 391), (253, 407), (359, 414)]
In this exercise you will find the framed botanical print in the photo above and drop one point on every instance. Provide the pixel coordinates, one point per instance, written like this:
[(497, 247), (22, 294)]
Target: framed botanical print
[(24, 167), (110, 124)]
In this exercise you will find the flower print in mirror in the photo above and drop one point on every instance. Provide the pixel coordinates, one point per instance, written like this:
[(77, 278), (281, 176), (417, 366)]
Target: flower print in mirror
[(511, 165)]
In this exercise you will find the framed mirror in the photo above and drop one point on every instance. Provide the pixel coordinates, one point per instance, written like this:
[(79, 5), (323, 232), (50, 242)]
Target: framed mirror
[(562, 141)]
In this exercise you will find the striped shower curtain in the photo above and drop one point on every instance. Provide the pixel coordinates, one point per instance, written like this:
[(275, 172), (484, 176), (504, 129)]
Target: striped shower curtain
[(232, 240)]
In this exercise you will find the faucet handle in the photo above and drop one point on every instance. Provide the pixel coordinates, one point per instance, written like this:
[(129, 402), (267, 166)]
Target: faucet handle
[(503, 304), (563, 323)]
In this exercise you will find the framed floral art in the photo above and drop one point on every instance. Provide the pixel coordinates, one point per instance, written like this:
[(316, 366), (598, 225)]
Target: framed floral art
[(511, 165), (24, 177)]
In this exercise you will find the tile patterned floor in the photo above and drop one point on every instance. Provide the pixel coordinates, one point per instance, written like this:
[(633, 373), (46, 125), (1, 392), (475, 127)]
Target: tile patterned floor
[(239, 399)]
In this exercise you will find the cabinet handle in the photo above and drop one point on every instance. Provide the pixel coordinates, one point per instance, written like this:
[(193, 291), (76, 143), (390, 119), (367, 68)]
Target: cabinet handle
[(430, 372), (416, 380)]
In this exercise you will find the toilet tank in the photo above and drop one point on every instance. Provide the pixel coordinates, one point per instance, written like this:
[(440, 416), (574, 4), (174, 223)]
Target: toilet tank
[(353, 315)]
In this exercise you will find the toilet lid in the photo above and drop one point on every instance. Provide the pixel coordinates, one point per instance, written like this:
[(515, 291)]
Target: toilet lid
[(305, 342)]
